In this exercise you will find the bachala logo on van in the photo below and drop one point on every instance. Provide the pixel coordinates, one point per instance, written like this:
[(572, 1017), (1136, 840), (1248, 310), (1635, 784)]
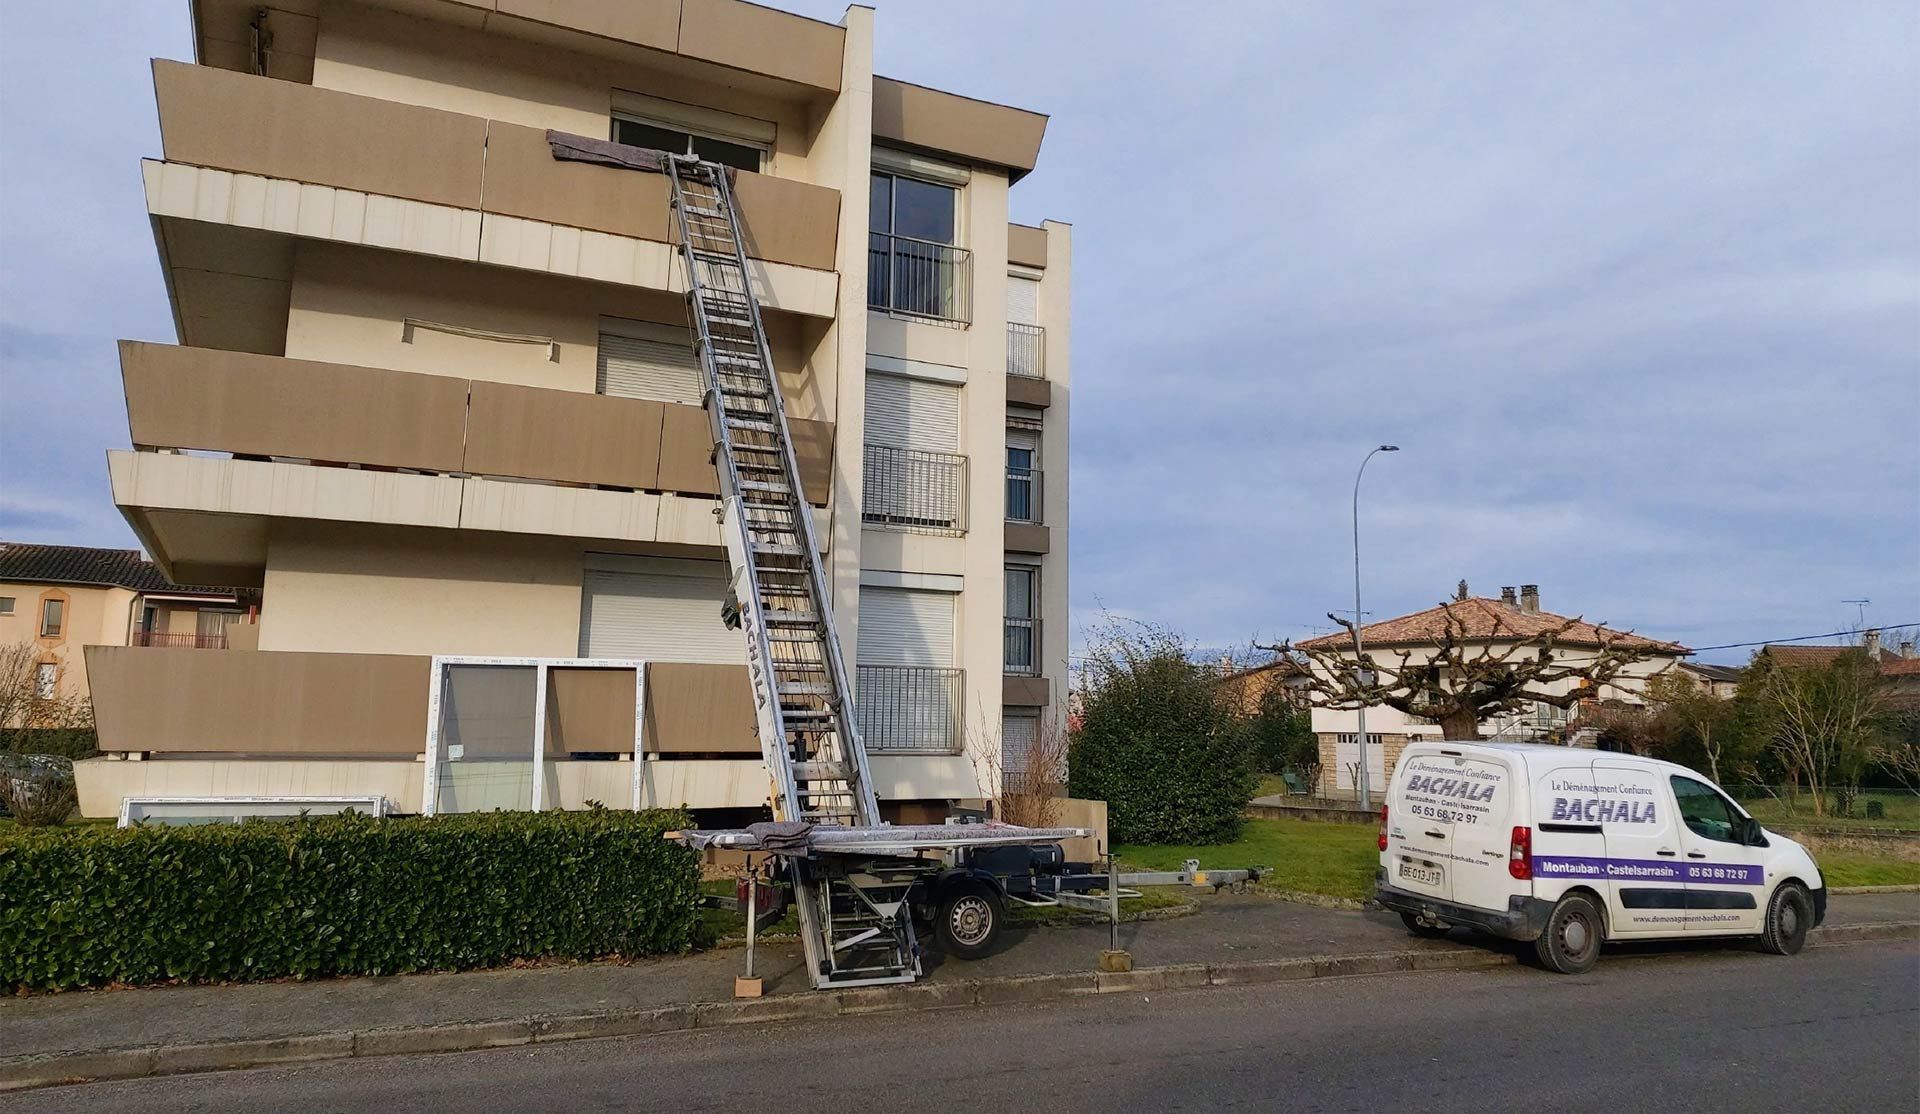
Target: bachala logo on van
[(1599, 810), (1451, 787)]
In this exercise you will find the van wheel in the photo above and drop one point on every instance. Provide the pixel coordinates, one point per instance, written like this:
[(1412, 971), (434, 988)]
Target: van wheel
[(969, 919), (1422, 929), (1789, 915), (1571, 943)]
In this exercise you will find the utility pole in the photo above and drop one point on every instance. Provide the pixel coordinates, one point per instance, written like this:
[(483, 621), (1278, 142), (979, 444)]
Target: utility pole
[(1362, 673)]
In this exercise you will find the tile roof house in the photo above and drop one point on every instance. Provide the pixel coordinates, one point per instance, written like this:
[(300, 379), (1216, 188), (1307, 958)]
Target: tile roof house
[(1488, 620)]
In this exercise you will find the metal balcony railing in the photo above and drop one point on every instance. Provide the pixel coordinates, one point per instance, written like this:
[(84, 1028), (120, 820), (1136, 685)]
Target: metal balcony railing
[(1024, 488), (1026, 350), (180, 641), (910, 709), (919, 277), (1022, 647), (915, 490)]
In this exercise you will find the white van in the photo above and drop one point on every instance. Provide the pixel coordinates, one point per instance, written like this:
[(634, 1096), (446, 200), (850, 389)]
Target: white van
[(1569, 848)]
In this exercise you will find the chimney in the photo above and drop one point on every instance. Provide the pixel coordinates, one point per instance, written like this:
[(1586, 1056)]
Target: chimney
[(1906, 649), (1873, 645), (1226, 665), (1530, 598), (1506, 596)]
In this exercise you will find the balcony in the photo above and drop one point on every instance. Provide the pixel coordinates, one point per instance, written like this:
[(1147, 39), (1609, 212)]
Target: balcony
[(1025, 488), (905, 709), (1021, 652), (1026, 350), (914, 490), (919, 278), (180, 641)]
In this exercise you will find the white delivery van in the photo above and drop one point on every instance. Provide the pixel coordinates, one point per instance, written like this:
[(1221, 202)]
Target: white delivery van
[(1568, 848)]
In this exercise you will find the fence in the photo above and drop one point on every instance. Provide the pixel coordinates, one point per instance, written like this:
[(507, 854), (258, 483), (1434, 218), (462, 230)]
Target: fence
[(915, 489), (1024, 487), (910, 709), (180, 641), (1026, 350), (1022, 647), (920, 277)]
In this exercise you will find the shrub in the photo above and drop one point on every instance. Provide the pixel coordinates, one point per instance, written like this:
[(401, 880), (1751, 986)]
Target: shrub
[(1158, 741), (338, 895), (37, 791)]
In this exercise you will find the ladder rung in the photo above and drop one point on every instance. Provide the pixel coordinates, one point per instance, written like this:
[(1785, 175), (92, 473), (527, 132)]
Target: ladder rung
[(792, 619), (753, 427), (755, 485), (805, 688)]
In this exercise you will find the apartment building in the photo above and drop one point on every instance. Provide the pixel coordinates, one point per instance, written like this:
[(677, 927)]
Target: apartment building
[(57, 599), (435, 397)]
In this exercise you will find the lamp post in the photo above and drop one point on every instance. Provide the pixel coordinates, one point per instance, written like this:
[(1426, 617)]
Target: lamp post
[(1361, 672)]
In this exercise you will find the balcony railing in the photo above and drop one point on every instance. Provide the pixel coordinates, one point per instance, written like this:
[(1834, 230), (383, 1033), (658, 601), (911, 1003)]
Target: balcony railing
[(919, 277), (1026, 350), (910, 709), (1024, 487), (915, 490), (1022, 647), (180, 641)]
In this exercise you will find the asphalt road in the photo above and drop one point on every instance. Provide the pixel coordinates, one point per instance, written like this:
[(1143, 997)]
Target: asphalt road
[(1834, 1029)]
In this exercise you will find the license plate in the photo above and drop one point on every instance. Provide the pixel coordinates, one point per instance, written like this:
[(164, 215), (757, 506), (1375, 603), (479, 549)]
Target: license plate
[(1425, 875)]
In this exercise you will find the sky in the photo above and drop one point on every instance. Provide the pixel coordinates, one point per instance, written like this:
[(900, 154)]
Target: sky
[(1635, 288)]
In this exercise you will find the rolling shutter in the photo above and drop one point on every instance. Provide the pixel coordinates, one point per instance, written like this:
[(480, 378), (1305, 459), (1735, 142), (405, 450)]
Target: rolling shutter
[(1023, 301), (658, 610), (1017, 734), (912, 413), (647, 361), (906, 626)]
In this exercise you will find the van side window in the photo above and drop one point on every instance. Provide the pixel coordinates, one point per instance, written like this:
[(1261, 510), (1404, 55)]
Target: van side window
[(1706, 812)]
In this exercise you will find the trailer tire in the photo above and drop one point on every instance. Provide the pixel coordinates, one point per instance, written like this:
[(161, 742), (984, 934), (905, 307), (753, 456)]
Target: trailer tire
[(969, 919)]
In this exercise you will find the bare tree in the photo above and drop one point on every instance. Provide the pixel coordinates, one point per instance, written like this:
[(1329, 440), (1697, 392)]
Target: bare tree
[(27, 713), (1032, 787), (1825, 722), (1462, 679)]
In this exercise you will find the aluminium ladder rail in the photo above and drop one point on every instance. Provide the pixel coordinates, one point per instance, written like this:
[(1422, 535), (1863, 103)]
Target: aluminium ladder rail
[(854, 920)]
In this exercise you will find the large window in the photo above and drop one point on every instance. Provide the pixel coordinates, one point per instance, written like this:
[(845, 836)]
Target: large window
[(640, 133), (1023, 474), (1022, 643), (912, 263), (46, 680)]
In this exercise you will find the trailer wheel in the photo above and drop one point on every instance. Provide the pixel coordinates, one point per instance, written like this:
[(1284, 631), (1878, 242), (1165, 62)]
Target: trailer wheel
[(969, 920)]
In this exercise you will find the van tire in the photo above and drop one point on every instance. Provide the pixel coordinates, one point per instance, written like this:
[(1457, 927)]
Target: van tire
[(1421, 929), (1570, 944), (1789, 915)]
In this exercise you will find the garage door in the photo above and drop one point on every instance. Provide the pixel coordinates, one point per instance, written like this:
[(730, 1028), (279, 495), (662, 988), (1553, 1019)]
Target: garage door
[(657, 610), (912, 413), (906, 626), (642, 360)]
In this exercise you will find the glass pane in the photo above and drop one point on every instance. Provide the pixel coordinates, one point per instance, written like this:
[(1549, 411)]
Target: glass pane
[(647, 135), (737, 155), (1019, 593), (51, 617), (1705, 812), (486, 738), (880, 204), (923, 210)]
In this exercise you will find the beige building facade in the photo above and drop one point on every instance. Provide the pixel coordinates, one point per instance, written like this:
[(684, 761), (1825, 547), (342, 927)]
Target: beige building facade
[(435, 396)]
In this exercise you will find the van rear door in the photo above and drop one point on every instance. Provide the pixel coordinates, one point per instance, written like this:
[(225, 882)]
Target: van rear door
[(1481, 801), (1419, 828)]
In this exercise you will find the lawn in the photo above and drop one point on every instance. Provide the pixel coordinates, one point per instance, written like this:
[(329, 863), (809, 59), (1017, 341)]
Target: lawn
[(1311, 856), (1849, 868), (1902, 811)]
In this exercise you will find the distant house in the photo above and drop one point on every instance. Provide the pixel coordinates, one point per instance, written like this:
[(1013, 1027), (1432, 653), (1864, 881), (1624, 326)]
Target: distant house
[(1720, 681), (59, 598), (1248, 686), (1901, 666), (1490, 623)]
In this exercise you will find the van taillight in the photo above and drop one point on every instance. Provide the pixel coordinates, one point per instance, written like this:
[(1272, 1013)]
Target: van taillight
[(1383, 827), (1520, 854)]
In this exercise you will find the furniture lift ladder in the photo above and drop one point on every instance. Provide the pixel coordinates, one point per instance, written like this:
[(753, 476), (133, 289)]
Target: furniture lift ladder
[(855, 924)]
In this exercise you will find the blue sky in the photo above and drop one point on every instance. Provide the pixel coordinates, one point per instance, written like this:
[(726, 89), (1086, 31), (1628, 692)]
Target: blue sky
[(1636, 287)]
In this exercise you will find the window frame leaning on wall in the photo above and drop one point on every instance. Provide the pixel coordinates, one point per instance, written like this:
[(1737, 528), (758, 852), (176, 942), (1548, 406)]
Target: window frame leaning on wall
[(542, 667)]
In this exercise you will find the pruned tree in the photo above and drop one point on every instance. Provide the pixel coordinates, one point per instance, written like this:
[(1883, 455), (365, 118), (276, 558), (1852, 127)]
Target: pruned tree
[(1461, 678)]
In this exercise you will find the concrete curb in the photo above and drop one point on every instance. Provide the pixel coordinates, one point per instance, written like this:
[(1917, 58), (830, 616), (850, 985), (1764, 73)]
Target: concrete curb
[(1874, 890), (58, 1068)]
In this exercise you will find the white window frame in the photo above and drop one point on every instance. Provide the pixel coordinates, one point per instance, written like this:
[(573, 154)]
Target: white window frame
[(542, 667), (696, 120), (6, 605), (46, 680), (372, 804)]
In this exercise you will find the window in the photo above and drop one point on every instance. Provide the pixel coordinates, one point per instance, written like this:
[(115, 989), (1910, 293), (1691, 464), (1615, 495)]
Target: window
[(912, 265), (638, 359), (1707, 814), (676, 141), (1018, 731), (53, 616), (46, 680), (1022, 643), (6, 605), (1023, 475)]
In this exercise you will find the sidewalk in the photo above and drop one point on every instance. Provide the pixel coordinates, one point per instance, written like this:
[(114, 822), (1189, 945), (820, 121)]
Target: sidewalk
[(1226, 941)]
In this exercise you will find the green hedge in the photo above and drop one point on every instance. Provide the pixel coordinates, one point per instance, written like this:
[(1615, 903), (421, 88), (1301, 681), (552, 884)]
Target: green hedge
[(346, 895)]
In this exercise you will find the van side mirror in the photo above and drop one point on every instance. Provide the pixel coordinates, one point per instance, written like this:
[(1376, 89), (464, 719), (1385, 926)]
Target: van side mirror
[(1752, 834)]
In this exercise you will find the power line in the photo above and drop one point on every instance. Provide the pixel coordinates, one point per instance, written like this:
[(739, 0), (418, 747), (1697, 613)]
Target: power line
[(1802, 638)]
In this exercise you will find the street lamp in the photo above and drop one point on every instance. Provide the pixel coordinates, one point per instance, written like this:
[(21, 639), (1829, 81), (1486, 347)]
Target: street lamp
[(1362, 674)]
